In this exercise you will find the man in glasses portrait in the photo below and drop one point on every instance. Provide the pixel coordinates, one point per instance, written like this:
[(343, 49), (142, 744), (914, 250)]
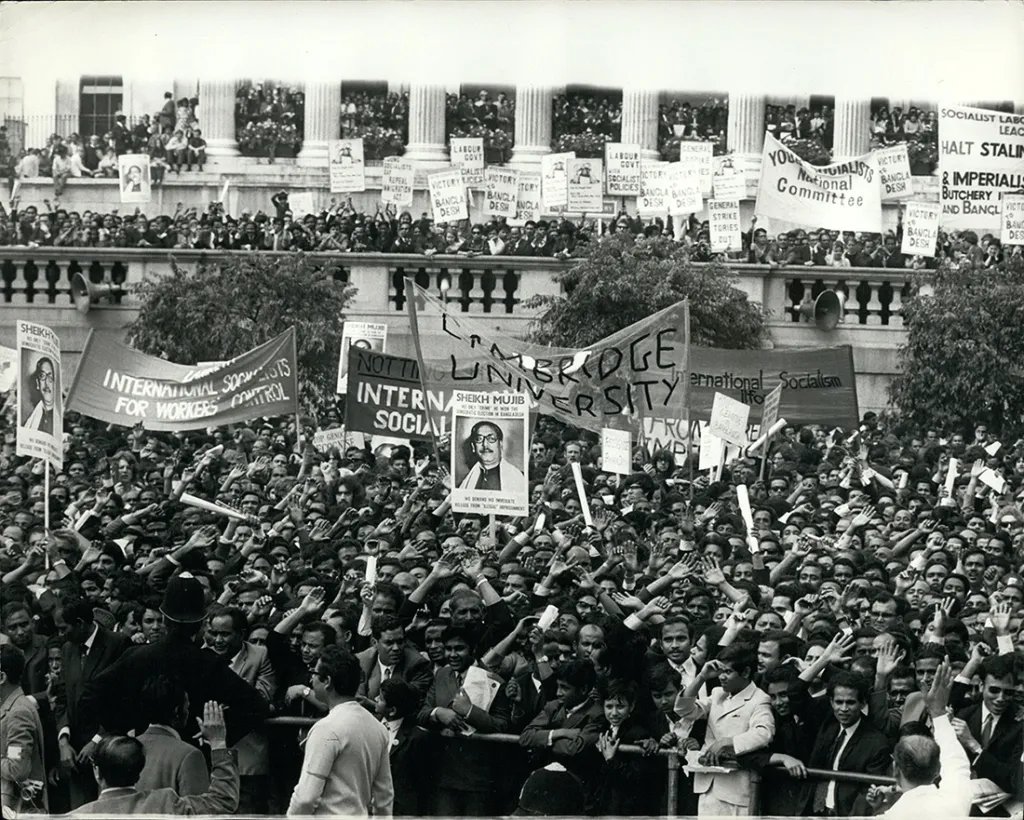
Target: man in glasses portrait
[(491, 471)]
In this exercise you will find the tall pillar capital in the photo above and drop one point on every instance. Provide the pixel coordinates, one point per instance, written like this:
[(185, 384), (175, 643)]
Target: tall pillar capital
[(852, 128), (217, 118), (533, 126), (745, 136), (426, 125), (640, 121), (321, 122)]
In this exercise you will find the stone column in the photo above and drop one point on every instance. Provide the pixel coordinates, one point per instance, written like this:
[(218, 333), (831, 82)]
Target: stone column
[(745, 137), (533, 125), (217, 118), (640, 121), (426, 124), (852, 128), (321, 122)]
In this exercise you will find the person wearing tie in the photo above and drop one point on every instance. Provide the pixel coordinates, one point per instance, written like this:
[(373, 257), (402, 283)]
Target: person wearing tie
[(391, 657), (410, 751)]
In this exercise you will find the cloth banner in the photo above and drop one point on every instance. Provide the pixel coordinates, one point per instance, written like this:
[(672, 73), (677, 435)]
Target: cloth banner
[(843, 197), (921, 228), (501, 192), (1012, 220), (585, 185), (448, 196), (623, 169), (40, 432), (119, 385), (981, 155), (346, 167), (467, 154), (397, 183), (386, 397), (894, 172), (554, 170), (724, 222), (635, 373)]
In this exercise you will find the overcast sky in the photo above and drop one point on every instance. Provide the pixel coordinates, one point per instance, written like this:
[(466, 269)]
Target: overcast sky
[(936, 50)]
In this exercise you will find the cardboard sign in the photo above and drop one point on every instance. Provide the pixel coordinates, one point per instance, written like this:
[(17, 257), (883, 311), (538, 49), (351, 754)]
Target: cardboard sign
[(724, 221), (585, 185), (501, 192), (770, 412), (467, 154), (730, 186), (554, 169), (1012, 219), (616, 451), (711, 450), (623, 164), (346, 168), (448, 196), (894, 172), (921, 228), (685, 196), (528, 203), (398, 182), (654, 189), (729, 419), (702, 154), (326, 440), (134, 179), (40, 431), (363, 335), (301, 204)]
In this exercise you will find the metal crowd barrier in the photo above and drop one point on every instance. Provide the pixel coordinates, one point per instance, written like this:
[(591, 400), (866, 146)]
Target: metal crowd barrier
[(672, 759)]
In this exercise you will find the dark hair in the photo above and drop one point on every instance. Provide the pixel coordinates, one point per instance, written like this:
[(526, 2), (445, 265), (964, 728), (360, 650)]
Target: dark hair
[(578, 672), (661, 676), (342, 669), (789, 644), (160, 699), (999, 666), (673, 621), (741, 657), (120, 761), (470, 633), (239, 623), (619, 688), (384, 623), (850, 680), (491, 424), (400, 696), (329, 633), (13, 608), (77, 609), (12, 662)]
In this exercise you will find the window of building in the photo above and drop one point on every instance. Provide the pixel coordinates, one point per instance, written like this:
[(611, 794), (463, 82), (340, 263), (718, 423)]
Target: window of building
[(100, 98)]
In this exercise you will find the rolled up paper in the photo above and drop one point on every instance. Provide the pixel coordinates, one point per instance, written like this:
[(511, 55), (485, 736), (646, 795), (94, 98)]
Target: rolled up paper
[(577, 474), (209, 506), (763, 439), (548, 617)]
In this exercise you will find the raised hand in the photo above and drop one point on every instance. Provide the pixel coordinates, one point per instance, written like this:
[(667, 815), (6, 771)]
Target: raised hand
[(713, 574), (863, 518), (314, 600), (889, 656), (1000, 615), (808, 604), (627, 601), (937, 697), (839, 648)]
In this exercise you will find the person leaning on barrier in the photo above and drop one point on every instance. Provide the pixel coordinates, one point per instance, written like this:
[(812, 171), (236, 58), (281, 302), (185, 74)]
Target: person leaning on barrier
[(119, 761)]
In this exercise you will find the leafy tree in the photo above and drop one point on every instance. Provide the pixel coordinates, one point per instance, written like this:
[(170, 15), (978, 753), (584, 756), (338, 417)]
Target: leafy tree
[(962, 362), (623, 280), (237, 303)]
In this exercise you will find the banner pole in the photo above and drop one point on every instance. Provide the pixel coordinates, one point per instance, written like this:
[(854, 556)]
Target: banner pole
[(46, 507), (764, 457)]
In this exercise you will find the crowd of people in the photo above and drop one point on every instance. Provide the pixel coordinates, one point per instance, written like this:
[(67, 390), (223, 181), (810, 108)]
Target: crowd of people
[(269, 116), (865, 618), (342, 228)]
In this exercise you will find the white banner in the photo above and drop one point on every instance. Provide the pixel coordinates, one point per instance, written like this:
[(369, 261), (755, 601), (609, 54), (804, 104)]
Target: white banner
[(616, 451), (398, 182), (843, 197), (684, 187), (623, 163), (554, 169), (585, 185), (490, 453), (654, 189), (729, 419), (528, 199), (920, 228), (894, 169), (501, 192), (134, 178), (467, 154), (40, 397), (703, 154), (346, 167), (1012, 232), (366, 335), (301, 204), (724, 222), (981, 155), (448, 196)]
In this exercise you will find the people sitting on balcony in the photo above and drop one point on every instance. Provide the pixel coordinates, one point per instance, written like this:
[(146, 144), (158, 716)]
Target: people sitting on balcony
[(196, 151), (177, 151)]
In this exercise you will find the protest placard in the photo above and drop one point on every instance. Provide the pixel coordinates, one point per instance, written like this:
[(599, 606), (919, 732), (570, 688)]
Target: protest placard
[(398, 182), (528, 205), (501, 192), (770, 410), (134, 178), (654, 189), (585, 185), (700, 152), (616, 451), (345, 166), (981, 155), (385, 397), (365, 336), (711, 450), (326, 440), (729, 419), (724, 222), (40, 432), (554, 170), (301, 204), (448, 196), (684, 184), (467, 154), (894, 172), (122, 386), (920, 228), (672, 434), (489, 453), (8, 368), (730, 186), (845, 196), (1012, 219), (623, 169)]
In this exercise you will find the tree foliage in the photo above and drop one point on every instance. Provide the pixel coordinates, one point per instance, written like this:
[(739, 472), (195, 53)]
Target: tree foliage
[(963, 362), (239, 302), (622, 281)]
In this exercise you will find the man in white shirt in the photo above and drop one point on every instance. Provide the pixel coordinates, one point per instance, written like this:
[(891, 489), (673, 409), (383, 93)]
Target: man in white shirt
[(921, 760), (347, 766)]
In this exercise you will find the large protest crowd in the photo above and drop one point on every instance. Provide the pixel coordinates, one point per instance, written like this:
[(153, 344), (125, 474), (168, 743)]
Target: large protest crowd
[(823, 633)]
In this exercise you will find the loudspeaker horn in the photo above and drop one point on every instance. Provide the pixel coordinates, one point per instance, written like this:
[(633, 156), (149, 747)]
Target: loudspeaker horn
[(84, 294), (826, 311)]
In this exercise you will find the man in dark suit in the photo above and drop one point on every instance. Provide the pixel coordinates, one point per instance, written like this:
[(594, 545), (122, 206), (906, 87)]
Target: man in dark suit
[(113, 696), (391, 657), (846, 742), (17, 623), (411, 765), (88, 652), (990, 732)]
